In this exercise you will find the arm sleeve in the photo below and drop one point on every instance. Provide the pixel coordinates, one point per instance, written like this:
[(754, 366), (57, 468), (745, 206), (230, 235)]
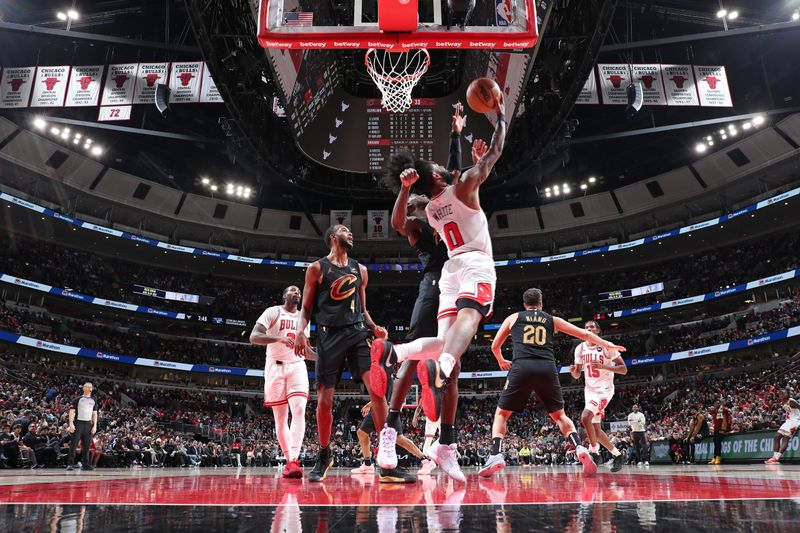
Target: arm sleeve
[(268, 317), (454, 161)]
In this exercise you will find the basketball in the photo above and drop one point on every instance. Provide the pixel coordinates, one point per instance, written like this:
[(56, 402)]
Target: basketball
[(482, 93)]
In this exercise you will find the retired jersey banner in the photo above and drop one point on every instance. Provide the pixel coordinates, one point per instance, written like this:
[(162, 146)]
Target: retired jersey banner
[(149, 75), (341, 216), (650, 78), (377, 225), (209, 92), (50, 86), (588, 94), (84, 86), (114, 112), (712, 85), (614, 82), (15, 87), (119, 84), (679, 84), (184, 82)]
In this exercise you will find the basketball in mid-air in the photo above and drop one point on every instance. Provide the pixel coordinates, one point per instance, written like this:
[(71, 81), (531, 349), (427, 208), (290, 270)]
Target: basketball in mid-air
[(482, 93)]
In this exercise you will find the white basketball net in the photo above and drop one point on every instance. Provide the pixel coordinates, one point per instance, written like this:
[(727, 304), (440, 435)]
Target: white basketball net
[(396, 74)]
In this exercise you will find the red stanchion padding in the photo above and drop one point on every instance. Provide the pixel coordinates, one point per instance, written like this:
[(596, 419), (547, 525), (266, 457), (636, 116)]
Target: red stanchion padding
[(398, 15)]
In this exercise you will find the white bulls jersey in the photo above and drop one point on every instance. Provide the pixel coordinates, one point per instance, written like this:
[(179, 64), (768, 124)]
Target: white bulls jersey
[(792, 413), (462, 228), (596, 379), (280, 322)]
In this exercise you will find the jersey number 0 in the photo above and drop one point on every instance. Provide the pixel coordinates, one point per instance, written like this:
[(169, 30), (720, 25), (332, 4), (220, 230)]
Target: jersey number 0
[(452, 235)]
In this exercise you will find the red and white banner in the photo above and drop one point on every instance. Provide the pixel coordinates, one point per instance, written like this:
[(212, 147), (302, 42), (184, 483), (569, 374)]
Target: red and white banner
[(589, 94), (114, 112), (84, 86), (652, 87), (119, 84), (149, 75), (377, 225), (15, 87), (679, 84), (712, 86), (50, 86), (209, 92), (184, 82), (614, 82), (341, 216)]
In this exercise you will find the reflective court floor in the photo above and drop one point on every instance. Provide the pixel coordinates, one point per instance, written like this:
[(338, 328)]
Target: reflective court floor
[(655, 498)]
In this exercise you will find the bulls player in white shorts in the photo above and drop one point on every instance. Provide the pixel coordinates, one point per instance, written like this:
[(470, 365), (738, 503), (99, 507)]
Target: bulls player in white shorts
[(466, 287), (285, 375), (787, 429), (598, 365)]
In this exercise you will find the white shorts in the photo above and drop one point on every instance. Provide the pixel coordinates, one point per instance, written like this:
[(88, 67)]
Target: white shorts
[(284, 380), (596, 402), (789, 427), (468, 276)]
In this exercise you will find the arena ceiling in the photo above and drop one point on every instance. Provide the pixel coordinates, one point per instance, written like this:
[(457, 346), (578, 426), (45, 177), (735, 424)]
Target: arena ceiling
[(762, 67)]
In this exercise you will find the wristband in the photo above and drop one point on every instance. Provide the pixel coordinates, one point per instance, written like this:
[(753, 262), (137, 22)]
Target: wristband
[(454, 135)]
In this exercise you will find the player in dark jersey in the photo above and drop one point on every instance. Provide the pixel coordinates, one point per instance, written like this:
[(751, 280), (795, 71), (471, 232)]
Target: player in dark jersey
[(698, 430), (534, 370), (335, 293)]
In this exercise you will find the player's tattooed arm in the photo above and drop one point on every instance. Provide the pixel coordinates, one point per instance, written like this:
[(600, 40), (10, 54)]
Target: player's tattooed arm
[(313, 278)]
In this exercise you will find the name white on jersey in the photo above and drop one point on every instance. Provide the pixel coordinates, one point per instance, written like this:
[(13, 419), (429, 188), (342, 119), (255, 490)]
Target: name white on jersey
[(462, 228), (595, 378), (279, 322)]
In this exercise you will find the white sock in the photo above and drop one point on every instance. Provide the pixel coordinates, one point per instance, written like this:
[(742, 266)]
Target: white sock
[(447, 363), (615, 452), (777, 455), (418, 350), (297, 430), (594, 448)]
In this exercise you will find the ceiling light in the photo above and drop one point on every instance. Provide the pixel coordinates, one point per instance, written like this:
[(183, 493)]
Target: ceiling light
[(583, 186), (733, 15), (65, 134), (556, 192), (746, 126), (567, 190), (547, 195), (547, 189), (721, 13), (700, 148), (72, 14), (213, 187), (85, 146), (708, 138), (724, 137), (76, 141), (734, 133), (796, 15), (247, 191), (96, 150), (722, 132), (39, 123), (89, 141), (205, 181), (731, 127), (78, 135), (759, 120), (61, 16), (592, 179), (565, 186), (711, 143)]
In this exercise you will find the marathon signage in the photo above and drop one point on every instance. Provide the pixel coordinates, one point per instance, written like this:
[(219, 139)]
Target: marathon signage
[(15, 87), (744, 447)]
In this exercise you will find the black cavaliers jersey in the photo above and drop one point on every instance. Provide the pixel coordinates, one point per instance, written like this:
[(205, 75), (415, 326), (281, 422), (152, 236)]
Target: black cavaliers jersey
[(338, 300), (532, 336), (432, 251)]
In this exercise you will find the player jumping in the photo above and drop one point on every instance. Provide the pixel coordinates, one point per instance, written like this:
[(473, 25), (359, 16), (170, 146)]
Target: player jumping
[(787, 429)]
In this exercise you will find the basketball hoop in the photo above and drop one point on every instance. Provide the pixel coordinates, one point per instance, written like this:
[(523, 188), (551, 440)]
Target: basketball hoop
[(396, 74)]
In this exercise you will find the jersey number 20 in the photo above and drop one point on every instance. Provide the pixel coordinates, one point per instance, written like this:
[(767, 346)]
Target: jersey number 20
[(534, 335)]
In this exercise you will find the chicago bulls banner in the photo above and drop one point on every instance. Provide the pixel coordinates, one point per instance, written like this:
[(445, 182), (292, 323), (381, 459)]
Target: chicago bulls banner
[(650, 78), (119, 84), (377, 225), (184, 82), (50, 86), (679, 84), (341, 216), (84, 86), (15, 87), (589, 94), (712, 86), (209, 94), (149, 75), (614, 81)]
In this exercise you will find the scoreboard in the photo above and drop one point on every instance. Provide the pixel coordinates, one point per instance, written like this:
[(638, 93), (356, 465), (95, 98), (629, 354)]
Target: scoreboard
[(391, 132)]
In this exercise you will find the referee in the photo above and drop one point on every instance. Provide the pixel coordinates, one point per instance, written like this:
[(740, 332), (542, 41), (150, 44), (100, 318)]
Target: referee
[(82, 425)]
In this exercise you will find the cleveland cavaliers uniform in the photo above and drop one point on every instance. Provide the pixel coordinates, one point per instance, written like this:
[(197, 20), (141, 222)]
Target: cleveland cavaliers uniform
[(789, 427), (285, 374), (534, 366), (468, 277), (432, 253), (341, 334), (599, 383)]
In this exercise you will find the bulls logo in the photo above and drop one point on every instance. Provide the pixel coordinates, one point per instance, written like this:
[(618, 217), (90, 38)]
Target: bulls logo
[(185, 78), (340, 220), (151, 79), (616, 80), (16, 83), (120, 80), (344, 287), (713, 81), (85, 81), (679, 81), (648, 81), (50, 83)]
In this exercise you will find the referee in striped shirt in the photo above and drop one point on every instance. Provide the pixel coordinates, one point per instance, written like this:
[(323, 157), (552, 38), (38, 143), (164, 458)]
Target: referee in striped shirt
[(82, 425)]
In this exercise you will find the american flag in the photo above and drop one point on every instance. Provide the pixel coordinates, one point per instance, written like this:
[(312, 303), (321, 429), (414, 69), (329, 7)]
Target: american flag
[(302, 18)]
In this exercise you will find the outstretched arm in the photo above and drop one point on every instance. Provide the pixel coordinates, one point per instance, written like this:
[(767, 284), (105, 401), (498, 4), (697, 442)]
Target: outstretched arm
[(565, 327), (469, 182)]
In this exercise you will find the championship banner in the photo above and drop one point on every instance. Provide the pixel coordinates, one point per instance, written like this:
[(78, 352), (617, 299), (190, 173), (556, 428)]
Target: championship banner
[(119, 84), (209, 93), (712, 84), (184, 82), (149, 75), (679, 84), (652, 87), (377, 225), (614, 82), (588, 94), (84, 86), (341, 216), (50, 86), (15, 87)]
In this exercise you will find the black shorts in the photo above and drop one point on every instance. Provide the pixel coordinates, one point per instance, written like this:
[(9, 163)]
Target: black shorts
[(426, 307), (527, 376), (337, 345), (368, 425)]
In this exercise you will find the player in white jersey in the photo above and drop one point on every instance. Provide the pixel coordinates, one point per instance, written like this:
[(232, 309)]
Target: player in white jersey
[(787, 429), (285, 375), (598, 365), (466, 286)]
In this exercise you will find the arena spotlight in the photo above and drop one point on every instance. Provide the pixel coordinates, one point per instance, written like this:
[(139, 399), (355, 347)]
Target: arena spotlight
[(746, 126), (731, 127), (733, 132), (39, 123), (547, 189), (733, 15), (247, 192), (711, 143), (796, 15), (96, 150), (65, 134), (700, 148), (61, 15), (758, 120), (721, 13), (592, 179), (556, 192), (547, 195), (583, 186), (567, 190), (76, 141), (213, 188), (72, 14), (724, 137), (55, 131), (205, 181), (709, 138)]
